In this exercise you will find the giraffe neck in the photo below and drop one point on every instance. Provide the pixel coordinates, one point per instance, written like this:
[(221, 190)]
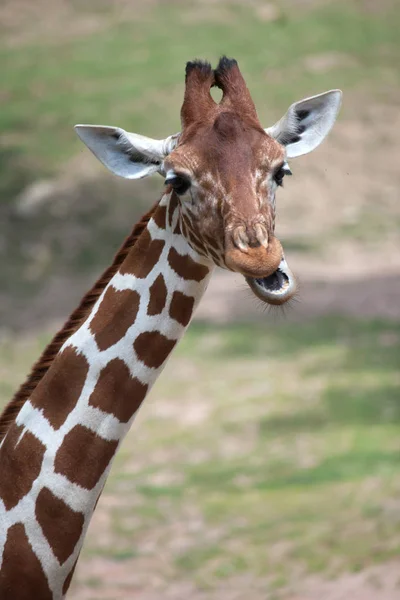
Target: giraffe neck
[(55, 458)]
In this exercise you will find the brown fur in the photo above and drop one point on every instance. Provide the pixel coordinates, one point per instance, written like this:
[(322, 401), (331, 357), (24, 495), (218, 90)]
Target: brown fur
[(23, 457), (198, 103), (236, 95), (28, 580), (76, 319), (256, 262), (226, 152), (78, 442)]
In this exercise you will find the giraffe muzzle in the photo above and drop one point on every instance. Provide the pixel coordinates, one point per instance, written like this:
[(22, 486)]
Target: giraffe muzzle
[(277, 288), (252, 260)]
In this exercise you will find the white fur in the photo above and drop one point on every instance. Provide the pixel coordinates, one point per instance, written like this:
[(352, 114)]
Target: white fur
[(128, 155), (105, 425), (323, 110)]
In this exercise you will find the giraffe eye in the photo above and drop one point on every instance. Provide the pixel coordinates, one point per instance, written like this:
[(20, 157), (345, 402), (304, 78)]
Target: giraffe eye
[(280, 174), (179, 183)]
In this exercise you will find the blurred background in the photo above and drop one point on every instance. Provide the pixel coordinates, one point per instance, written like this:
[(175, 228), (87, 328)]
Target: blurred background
[(266, 463)]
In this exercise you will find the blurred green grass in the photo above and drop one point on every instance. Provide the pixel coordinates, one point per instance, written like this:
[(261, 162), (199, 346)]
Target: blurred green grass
[(283, 441), (271, 450), (127, 69), (131, 73)]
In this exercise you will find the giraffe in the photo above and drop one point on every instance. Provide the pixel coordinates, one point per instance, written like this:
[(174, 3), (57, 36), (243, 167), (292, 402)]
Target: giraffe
[(61, 431)]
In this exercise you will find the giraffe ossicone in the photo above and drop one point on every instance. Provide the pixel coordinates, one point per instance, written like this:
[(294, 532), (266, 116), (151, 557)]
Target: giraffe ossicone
[(60, 432)]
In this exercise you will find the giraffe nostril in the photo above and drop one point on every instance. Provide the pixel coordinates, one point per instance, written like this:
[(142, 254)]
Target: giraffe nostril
[(261, 234), (250, 237), (240, 238), (256, 261)]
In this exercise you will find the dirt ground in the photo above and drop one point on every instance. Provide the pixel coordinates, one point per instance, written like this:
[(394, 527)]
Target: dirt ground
[(340, 218), (344, 200), (377, 583)]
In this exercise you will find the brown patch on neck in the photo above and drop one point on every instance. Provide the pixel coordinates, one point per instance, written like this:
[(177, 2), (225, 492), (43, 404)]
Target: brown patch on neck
[(98, 452), (76, 319), (153, 348), (186, 267), (20, 465), (21, 574), (160, 217), (117, 392), (181, 308), (158, 296), (65, 381), (116, 313), (61, 526), (146, 256)]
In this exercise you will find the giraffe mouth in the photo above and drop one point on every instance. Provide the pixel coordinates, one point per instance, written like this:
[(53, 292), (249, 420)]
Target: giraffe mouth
[(277, 288)]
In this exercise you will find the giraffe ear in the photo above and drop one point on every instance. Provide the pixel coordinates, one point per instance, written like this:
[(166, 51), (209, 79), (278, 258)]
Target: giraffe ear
[(126, 154), (307, 123)]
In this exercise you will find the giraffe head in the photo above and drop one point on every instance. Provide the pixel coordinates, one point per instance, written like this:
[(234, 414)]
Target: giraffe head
[(225, 169)]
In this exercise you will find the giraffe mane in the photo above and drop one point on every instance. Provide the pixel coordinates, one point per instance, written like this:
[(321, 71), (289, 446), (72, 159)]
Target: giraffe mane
[(40, 368)]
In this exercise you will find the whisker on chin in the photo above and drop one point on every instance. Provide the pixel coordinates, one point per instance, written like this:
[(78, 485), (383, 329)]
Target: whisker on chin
[(276, 311)]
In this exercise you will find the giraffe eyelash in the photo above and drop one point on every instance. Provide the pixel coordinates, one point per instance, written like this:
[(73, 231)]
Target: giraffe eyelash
[(180, 183), (280, 173)]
